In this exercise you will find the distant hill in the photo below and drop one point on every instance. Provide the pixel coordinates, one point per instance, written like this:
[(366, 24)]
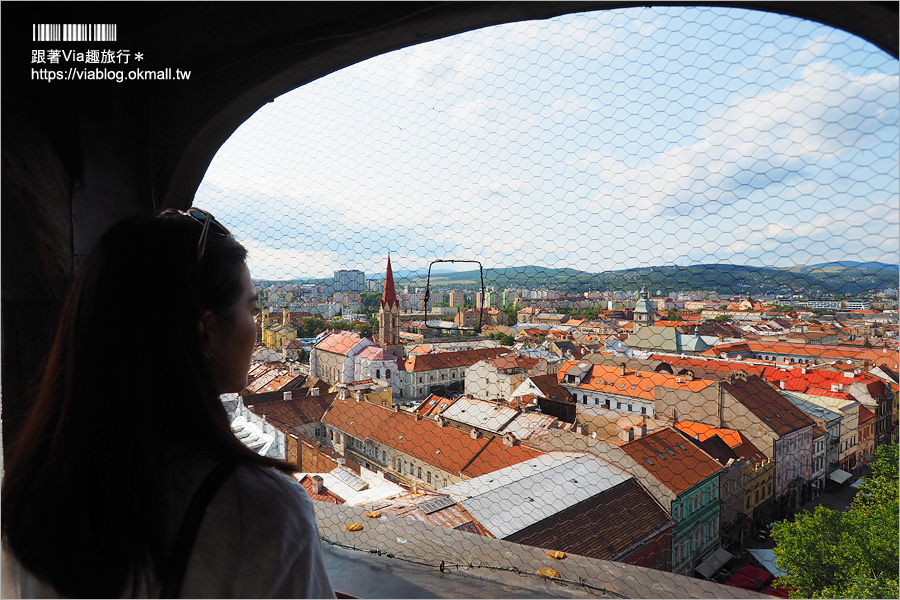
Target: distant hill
[(841, 277), (847, 278), (860, 265)]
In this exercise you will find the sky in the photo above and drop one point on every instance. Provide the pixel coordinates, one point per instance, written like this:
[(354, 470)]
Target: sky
[(596, 141)]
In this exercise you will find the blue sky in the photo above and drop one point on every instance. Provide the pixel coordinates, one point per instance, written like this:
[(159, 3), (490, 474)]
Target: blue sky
[(596, 141)]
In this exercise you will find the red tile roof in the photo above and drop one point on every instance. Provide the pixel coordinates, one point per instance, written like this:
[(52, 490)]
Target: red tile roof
[(692, 428), (636, 384), (865, 415), (434, 405), (761, 399), (447, 448), (376, 353), (673, 460), (325, 496), (496, 455), (707, 365), (796, 380), (513, 361), (447, 360), (292, 413), (550, 388), (339, 342), (811, 350)]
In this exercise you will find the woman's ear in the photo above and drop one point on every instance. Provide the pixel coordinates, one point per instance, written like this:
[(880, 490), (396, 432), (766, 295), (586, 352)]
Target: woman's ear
[(207, 327)]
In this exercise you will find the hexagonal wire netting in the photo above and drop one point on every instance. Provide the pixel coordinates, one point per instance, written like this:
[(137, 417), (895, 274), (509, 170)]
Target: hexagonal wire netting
[(737, 165)]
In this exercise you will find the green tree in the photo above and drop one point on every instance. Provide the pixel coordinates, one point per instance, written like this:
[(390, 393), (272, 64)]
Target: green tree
[(511, 314), (371, 299), (311, 327), (853, 554), (722, 319)]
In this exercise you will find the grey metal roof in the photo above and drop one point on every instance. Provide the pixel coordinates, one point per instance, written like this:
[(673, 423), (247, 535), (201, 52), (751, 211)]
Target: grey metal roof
[(644, 306), (348, 477), (511, 499), (805, 403), (526, 423), (437, 504), (479, 413)]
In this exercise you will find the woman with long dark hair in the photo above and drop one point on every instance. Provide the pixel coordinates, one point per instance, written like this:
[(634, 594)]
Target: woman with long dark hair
[(126, 478)]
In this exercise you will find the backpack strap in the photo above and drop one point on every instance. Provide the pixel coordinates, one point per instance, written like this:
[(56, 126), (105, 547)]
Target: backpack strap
[(190, 526)]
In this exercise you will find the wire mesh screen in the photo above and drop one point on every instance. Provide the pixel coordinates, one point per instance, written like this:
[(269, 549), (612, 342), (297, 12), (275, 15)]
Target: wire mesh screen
[(687, 220)]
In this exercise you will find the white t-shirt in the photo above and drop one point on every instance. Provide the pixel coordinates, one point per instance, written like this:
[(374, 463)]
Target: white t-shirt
[(258, 539)]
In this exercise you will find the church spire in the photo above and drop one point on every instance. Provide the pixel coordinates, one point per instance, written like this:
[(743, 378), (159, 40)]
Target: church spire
[(389, 296)]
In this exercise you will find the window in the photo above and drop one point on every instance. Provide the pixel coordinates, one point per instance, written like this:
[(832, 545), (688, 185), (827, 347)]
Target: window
[(618, 405), (387, 373), (643, 410), (630, 409), (419, 472), (428, 476), (377, 373)]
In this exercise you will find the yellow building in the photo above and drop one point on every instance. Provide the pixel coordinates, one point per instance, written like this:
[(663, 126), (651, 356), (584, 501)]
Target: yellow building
[(275, 333)]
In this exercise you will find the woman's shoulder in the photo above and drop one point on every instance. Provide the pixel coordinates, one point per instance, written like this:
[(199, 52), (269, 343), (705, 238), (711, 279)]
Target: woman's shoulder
[(267, 495), (259, 539)]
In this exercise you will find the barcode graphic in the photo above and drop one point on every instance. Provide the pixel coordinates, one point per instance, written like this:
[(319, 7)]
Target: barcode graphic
[(68, 32)]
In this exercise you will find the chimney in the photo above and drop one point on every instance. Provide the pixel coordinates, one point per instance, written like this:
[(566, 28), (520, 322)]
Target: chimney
[(358, 395), (622, 370), (396, 408), (314, 391), (781, 384), (440, 421), (689, 376), (509, 440), (697, 436), (474, 434), (417, 416), (318, 484), (643, 428), (288, 396)]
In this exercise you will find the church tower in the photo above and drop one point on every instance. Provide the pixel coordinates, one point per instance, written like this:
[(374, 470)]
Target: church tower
[(389, 314), (644, 311)]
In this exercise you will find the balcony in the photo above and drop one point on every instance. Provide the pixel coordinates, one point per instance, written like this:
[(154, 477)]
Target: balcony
[(394, 557)]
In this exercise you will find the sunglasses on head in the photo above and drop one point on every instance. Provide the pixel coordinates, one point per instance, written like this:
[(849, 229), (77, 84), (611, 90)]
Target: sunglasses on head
[(209, 223)]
